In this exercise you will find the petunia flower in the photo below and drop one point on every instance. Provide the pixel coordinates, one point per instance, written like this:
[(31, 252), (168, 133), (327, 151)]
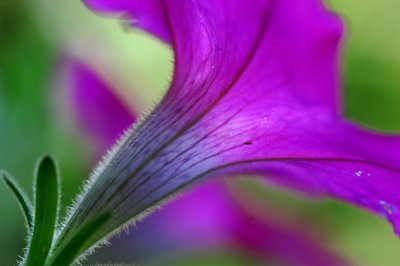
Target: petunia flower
[(101, 114), (255, 90), (206, 218)]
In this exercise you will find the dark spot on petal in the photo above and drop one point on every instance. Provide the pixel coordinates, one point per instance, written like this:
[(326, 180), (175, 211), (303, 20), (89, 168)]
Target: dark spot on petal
[(248, 143)]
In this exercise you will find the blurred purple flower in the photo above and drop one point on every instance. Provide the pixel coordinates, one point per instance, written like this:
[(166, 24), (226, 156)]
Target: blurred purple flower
[(205, 218), (101, 113), (254, 90)]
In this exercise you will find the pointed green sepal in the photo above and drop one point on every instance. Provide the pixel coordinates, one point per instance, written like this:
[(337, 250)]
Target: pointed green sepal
[(47, 186), (73, 246), (21, 197)]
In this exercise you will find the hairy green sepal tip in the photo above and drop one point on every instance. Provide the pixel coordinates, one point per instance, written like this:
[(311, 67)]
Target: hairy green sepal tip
[(47, 186)]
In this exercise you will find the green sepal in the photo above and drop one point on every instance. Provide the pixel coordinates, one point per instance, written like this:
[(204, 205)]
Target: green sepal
[(21, 197), (47, 186), (73, 246)]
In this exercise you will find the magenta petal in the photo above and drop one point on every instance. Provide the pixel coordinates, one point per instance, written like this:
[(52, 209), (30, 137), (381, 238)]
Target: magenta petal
[(311, 151), (146, 14), (209, 217), (94, 104), (218, 42), (254, 91), (221, 218), (257, 85)]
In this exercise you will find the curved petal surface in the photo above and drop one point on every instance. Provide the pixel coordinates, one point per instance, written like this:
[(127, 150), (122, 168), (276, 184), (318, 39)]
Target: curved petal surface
[(146, 14), (218, 43), (254, 91), (204, 218), (209, 217)]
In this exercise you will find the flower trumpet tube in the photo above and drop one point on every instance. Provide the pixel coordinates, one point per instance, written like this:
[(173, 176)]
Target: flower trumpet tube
[(209, 217), (255, 90)]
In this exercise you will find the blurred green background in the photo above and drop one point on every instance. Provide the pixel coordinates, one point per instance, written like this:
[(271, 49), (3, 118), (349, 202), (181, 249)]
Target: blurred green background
[(34, 34)]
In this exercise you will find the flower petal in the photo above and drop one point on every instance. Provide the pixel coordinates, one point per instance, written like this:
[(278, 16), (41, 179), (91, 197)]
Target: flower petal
[(309, 149), (254, 91), (94, 104), (206, 217), (146, 14), (218, 42), (209, 217)]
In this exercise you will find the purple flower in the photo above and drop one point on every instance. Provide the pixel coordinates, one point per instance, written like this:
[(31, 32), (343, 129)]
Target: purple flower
[(255, 90), (209, 217), (101, 113)]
